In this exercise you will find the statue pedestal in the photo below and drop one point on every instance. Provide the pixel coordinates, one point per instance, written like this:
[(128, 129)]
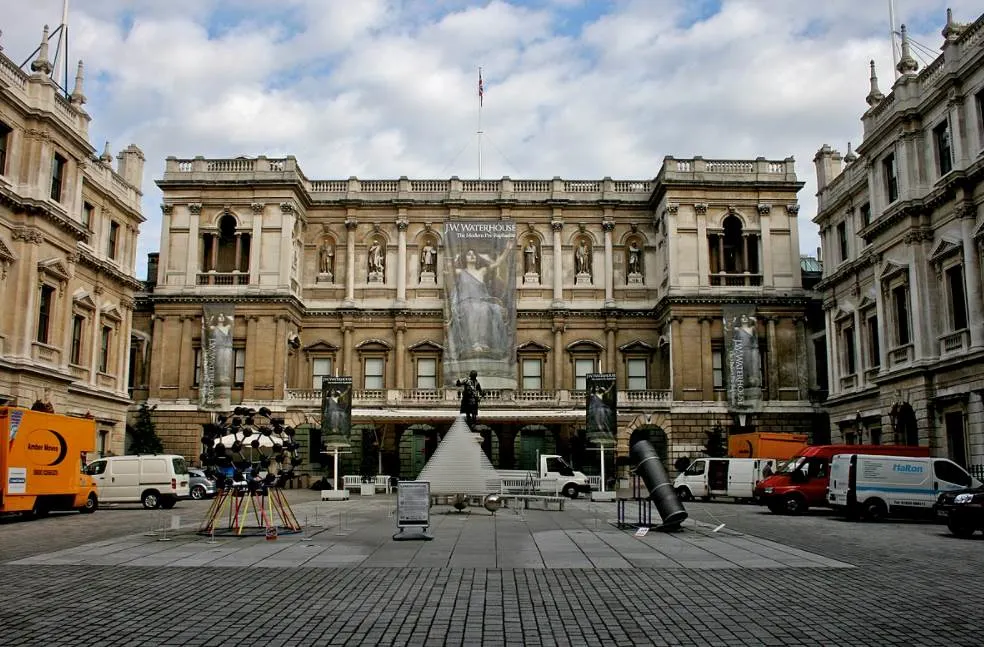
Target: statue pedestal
[(375, 277), (531, 278), (582, 278), (428, 278), (325, 277), (635, 279)]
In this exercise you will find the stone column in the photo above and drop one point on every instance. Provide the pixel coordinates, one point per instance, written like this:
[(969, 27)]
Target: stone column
[(27, 286), (400, 328), (881, 295), (289, 216), (347, 368), (158, 361), (765, 248), (252, 341), (921, 297), (971, 276), (610, 357), (803, 352), (609, 226), (191, 259), (96, 335), (558, 352), (773, 364), (165, 244), (239, 252), (401, 256), (279, 377), (675, 341), (557, 225), (350, 226), (833, 370), (706, 359), (186, 356), (255, 243)]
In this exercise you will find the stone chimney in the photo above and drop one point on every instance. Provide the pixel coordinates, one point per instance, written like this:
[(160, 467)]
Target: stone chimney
[(828, 163), (130, 163), (152, 260)]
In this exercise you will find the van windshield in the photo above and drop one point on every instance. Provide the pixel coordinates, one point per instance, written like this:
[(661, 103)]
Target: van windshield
[(791, 465), (180, 466)]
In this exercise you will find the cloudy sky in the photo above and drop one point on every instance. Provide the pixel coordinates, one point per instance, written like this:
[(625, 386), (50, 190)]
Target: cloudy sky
[(580, 89)]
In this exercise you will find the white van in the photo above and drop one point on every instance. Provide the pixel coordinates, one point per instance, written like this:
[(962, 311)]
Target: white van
[(710, 477), (873, 487), (156, 481)]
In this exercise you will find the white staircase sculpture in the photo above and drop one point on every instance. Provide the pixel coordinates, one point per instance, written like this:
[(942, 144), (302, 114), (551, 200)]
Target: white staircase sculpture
[(459, 466)]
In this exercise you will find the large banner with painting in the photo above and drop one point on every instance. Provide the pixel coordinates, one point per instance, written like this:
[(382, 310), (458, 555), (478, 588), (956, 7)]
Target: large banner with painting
[(336, 406), (744, 361), (480, 302), (601, 406), (215, 379)]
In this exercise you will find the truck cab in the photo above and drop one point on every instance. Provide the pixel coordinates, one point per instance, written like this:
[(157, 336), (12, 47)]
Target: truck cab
[(570, 481)]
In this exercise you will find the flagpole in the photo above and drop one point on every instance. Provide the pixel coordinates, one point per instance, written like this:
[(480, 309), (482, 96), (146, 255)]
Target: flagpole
[(481, 93)]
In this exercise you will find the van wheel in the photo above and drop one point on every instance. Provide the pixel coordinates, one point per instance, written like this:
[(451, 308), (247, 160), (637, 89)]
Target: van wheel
[(91, 504), (683, 493), (959, 527), (874, 510), (151, 500), (570, 491), (794, 504)]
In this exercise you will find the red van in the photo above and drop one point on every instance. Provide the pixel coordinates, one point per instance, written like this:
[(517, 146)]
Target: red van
[(802, 481)]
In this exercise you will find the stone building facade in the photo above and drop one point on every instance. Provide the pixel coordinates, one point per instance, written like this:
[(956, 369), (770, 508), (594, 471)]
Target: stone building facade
[(347, 277), (68, 231), (901, 227)]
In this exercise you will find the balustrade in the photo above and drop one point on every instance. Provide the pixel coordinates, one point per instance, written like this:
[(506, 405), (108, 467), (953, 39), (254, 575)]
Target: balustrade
[(954, 342), (735, 280), (900, 355), (223, 278)]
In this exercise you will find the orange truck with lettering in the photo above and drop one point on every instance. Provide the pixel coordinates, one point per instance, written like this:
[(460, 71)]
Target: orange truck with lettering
[(766, 445), (41, 457)]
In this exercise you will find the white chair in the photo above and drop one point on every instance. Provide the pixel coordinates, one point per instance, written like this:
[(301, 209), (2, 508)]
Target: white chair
[(351, 482), (383, 483)]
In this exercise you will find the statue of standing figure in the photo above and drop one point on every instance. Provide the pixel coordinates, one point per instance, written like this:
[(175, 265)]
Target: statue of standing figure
[(531, 261), (471, 393), (326, 258), (635, 258), (376, 256), (428, 258), (582, 258)]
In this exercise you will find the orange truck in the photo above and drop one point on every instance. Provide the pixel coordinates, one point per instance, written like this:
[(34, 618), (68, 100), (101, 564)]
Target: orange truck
[(762, 444), (41, 456)]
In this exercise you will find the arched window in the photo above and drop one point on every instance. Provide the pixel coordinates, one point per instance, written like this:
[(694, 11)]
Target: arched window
[(227, 249), (733, 251)]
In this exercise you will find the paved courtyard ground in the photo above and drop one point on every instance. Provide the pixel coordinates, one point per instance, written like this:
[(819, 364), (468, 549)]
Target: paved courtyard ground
[(523, 578)]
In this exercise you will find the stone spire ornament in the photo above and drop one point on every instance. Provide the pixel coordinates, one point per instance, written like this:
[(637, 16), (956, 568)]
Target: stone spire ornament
[(78, 97), (875, 95), (953, 29), (907, 64), (106, 157), (850, 157), (41, 64)]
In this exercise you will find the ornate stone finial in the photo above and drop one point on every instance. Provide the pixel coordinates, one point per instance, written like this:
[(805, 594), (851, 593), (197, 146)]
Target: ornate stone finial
[(850, 157), (874, 94), (78, 97), (907, 64), (41, 64), (953, 29), (106, 157)]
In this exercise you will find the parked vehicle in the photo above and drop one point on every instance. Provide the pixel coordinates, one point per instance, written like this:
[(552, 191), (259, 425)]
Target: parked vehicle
[(766, 445), (155, 480), (963, 509), (200, 485), (710, 477), (874, 487), (554, 475), (41, 456), (802, 481)]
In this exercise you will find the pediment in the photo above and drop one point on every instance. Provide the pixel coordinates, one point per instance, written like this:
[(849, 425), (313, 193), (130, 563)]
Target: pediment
[(840, 313), (110, 311), (865, 302), (5, 254), (944, 248), (374, 344), (979, 231), (637, 346), (532, 347), (82, 299), (426, 346), (584, 345), (891, 269), (321, 346), (55, 268)]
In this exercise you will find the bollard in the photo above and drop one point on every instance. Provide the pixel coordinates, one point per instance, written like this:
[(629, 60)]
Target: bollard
[(316, 524), (305, 537), (658, 484)]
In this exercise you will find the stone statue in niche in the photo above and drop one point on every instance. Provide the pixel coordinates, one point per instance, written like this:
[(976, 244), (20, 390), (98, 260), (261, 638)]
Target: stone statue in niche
[(531, 257), (582, 263), (326, 261), (377, 262), (635, 263), (428, 263)]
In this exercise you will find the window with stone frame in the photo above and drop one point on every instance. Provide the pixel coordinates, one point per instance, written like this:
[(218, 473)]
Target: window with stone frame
[(979, 103), (717, 367), (871, 339), (890, 175), (944, 150), (900, 314), (372, 373), (531, 360), (88, 214), (582, 366), (864, 212), (226, 249), (105, 348), (732, 250), (321, 367), (636, 373), (78, 329), (322, 361), (425, 357), (848, 350), (239, 366), (196, 376), (842, 241), (112, 245), (426, 373), (46, 312), (955, 295), (5, 137), (58, 166)]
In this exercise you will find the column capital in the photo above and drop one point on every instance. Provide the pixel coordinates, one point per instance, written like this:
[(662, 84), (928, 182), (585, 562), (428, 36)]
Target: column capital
[(351, 223), (764, 208), (672, 208), (257, 207), (700, 208), (608, 226), (556, 225), (402, 224), (167, 209), (195, 208), (288, 207), (793, 209)]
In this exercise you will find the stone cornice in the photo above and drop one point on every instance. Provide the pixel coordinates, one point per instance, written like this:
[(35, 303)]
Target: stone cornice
[(45, 210), (109, 270)]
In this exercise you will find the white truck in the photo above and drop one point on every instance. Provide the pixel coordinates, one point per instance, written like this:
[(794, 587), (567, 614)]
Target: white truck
[(555, 476), (710, 477), (874, 487)]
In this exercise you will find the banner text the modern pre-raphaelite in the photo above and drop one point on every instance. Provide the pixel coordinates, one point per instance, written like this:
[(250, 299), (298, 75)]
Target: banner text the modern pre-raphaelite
[(480, 302), (336, 406), (215, 378), (744, 362), (601, 406)]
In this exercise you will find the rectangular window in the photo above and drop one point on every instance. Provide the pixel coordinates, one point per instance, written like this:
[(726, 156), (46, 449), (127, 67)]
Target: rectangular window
[(842, 240), (197, 375), (874, 349), (955, 295), (373, 373), (320, 369), (636, 370), (581, 369), (57, 176), (944, 154), (104, 345), (900, 302), (239, 368), (979, 100), (76, 355), (865, 212), (114, 233), (532, 374), (426, 373), (891, 178), (5, 131), (44, 313), (850, 356), (88, 211), (717, 368)]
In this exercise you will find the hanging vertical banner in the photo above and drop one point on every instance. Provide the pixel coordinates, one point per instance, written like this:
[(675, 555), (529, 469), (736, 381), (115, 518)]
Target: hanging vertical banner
[(601, 406), (480, 302), (336, 406), (215, 379), (744, 361)]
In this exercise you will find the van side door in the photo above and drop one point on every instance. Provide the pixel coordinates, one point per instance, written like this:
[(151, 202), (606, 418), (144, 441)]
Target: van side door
[(947, 476)]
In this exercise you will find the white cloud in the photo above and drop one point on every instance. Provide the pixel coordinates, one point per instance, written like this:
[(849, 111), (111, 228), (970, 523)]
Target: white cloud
[(383, 88)]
